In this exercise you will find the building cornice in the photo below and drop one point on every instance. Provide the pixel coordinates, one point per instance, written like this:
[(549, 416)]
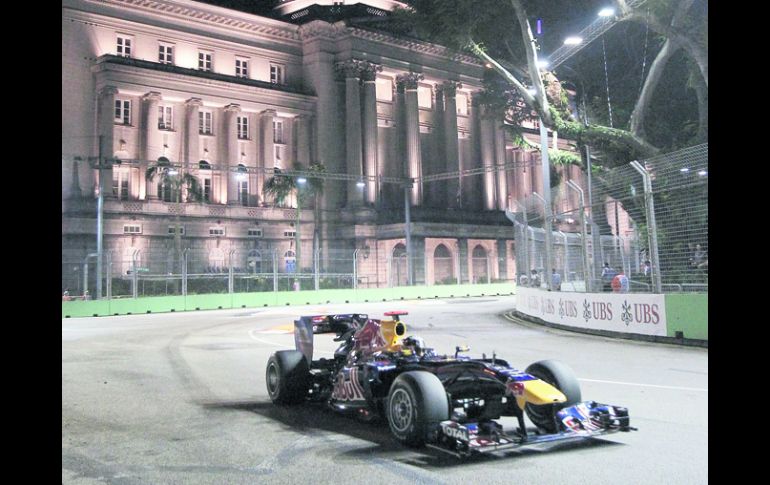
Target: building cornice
[(203, 14), (411, 44)]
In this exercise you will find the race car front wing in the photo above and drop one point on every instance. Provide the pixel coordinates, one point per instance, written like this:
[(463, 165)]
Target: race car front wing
[(582, 420)]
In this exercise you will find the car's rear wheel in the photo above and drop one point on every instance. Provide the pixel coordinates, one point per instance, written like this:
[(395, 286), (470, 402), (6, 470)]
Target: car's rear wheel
[(416, 402), (287, 377), (560, 376)]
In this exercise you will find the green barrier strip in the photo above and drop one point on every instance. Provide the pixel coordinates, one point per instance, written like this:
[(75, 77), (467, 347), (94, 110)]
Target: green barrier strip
[(161, 304), (688, 313)]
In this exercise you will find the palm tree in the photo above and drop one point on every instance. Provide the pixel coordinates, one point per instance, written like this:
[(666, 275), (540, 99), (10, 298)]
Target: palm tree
[(177, 184), (280, 186)]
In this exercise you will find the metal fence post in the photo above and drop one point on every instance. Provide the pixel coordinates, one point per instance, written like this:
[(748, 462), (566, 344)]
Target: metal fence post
[(134, 275), (184, 271), (275, 270), (109, 276), (316, 258), (355, 269), (546, 236), (588, 274), (230, 276), (566, 257), (651, 226)]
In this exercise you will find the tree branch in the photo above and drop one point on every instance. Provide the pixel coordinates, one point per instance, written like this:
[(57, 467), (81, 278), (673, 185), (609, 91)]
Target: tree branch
[(650, 83)]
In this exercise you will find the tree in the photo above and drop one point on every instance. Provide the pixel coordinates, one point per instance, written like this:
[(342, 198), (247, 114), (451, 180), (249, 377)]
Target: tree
[(487, 29), (179, 186), (280, 186)]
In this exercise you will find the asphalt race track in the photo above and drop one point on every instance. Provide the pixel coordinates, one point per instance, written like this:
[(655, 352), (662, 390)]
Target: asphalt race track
[(180, 398)]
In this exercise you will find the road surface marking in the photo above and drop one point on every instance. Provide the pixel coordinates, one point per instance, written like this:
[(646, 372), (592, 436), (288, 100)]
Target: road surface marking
[(647, 385)]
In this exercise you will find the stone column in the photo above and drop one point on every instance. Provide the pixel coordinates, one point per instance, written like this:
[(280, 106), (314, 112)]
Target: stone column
[(106, 123), (462, 254), (487, 142), (350, 71), (500, 174), (408, 83), (267, 157), (319, 48), (452, 154), (369, 76), (231, 155), (152, 142), (302, 139), (191, 139)]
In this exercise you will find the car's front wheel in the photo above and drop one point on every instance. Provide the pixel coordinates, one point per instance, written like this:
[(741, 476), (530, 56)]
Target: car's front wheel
[(416, 402), (287, 377), (560, 376)]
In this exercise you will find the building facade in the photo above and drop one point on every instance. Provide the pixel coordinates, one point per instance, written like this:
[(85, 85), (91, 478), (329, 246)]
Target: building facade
[(224, 97)]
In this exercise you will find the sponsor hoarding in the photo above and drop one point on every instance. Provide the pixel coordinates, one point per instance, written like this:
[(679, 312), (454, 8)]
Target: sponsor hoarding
[(644, 314)]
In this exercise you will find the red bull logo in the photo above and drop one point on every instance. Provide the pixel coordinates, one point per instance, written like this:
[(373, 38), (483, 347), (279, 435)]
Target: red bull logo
[(348, 390)]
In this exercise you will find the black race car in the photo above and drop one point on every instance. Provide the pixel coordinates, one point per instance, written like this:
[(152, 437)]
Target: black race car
[(447, 402)]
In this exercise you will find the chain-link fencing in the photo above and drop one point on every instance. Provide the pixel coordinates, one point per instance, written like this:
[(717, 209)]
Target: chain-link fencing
[(648, 221)]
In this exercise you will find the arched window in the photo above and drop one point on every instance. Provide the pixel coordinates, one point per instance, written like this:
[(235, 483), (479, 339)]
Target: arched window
[(398, 266), (480, 264), (254, 261), (166, 191), (442, 265), (205, 174), (217, 260)]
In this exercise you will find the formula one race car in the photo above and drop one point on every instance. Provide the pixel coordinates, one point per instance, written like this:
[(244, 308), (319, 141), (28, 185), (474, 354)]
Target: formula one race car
[(447, 402)]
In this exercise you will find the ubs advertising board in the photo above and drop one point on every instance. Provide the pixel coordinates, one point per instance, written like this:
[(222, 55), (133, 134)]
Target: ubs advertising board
[(615, 312)]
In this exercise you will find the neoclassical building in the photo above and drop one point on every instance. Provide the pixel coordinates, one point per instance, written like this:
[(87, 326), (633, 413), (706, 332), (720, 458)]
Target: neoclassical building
[(226, 96)]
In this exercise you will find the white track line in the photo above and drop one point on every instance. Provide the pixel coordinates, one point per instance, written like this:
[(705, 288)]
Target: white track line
[(646, 385)]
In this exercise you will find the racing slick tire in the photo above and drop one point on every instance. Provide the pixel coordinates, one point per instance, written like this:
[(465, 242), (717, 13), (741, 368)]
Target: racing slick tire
[(287, 377), (562, 378), (417, 401)]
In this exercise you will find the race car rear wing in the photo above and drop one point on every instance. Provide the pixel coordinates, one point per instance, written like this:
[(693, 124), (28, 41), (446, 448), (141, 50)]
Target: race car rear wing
[(306, 326)]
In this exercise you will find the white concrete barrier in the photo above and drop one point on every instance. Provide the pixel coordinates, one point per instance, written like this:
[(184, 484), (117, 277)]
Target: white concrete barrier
[(639, 313)]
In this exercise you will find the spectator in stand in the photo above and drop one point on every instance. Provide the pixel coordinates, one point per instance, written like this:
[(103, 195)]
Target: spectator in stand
[(647, 268), (555, 280), (535, 279), (620, 283), (698, 257), (66, 296), (608, 273)]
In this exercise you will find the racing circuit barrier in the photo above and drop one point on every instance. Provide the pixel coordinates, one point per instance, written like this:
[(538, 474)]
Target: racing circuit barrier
[(160, 304), (654, 317)]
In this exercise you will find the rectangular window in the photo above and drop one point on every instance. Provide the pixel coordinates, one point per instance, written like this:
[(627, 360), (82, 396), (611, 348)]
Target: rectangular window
[(384, 89), (204, 60), (165, 121), (462, 104), (216, 231), (132, 229), (172, 230), (243, 127), (279, 152), (277, 73), (205, 122), (243, 192), (255, 232), (290, 233), (123, 47), (123, 111), (165, 53), (119, 185), (207, 190), (425, 96), (278, 132), (241, 67)]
